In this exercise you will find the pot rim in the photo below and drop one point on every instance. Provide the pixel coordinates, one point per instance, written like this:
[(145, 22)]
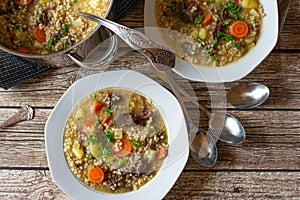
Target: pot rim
[(57, 53)]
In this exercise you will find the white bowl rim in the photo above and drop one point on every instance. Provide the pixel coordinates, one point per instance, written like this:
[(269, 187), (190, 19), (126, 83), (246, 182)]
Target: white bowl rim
[(230, 72), (178, 149)]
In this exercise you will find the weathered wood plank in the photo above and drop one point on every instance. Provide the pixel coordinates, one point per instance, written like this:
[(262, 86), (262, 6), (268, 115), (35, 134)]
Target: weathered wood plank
[(279, 71), (236, 185), (190, 185), (273, 142), (27, 185)]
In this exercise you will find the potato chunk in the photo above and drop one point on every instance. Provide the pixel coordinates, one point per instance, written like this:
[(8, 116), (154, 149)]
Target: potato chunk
[(249, 4)]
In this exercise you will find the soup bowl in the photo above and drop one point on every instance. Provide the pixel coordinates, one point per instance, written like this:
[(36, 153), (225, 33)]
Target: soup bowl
[(232, 71), (168, 107)]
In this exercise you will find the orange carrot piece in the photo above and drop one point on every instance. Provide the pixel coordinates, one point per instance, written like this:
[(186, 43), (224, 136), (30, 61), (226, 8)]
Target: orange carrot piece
[(22, 2), (95, 174), (96, 107), (106, 119), (23, 50), (39, 34), (126, 148), (239, 29), (206, 20)]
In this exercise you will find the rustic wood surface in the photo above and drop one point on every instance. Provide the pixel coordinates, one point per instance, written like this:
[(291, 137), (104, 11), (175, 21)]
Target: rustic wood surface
[(265, 166)]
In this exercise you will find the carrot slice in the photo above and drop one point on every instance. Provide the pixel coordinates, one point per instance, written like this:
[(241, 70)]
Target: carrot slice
[(23, 50), (239, 29), (39, 34), (206, 20), (22, 2), (126, 148), (95, 174), (106, 119), (96, 107)]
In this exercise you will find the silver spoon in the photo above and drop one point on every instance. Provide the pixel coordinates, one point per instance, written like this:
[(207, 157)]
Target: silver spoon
[(203, 148), (224, 127), (248, 95)]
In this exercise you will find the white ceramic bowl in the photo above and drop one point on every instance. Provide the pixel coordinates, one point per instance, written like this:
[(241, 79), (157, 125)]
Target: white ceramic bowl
[(170, 109), (230, 72)]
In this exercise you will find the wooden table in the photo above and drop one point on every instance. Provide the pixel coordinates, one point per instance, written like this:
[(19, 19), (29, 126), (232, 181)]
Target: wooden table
[(265, 166)]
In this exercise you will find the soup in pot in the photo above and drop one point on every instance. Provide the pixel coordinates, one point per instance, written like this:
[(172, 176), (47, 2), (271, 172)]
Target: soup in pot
[(45, 26)]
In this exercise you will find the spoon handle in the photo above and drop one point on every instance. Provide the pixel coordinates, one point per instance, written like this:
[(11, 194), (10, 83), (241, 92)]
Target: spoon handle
[(25, 113), (161, 58)]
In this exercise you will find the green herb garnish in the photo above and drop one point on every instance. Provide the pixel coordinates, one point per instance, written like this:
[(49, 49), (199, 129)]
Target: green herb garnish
[(105, 152), (122, 163), (108, 110), (173, 7), (97, 123), (208, 52), (109, 136), (227, 37), (234, 10), (235, 44), (198, 20), (90, 156), (135, 143), (65, 44), (214, 42), (64, 30), (92, 139), (214, 58)]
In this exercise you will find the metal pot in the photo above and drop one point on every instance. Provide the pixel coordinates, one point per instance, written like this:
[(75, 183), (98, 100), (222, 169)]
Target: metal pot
[(78, 52)]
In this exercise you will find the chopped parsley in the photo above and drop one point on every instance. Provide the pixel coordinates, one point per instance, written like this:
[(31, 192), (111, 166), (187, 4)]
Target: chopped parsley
[(105, 152), (135, 143), (65, 44), (97, 123), (64, 30), (122, 163), (235, 44), (108, 135), (208, 52), (90, 156), (108, 110), (198, 20), (234, 10), (214, 58), (50, 43), (214, 42), (227, 37), (92, 139), (173, 7)]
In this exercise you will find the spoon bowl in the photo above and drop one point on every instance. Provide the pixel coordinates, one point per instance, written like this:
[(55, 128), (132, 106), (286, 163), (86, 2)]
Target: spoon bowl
[(203, 149), (248, 95), (227, 128)]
